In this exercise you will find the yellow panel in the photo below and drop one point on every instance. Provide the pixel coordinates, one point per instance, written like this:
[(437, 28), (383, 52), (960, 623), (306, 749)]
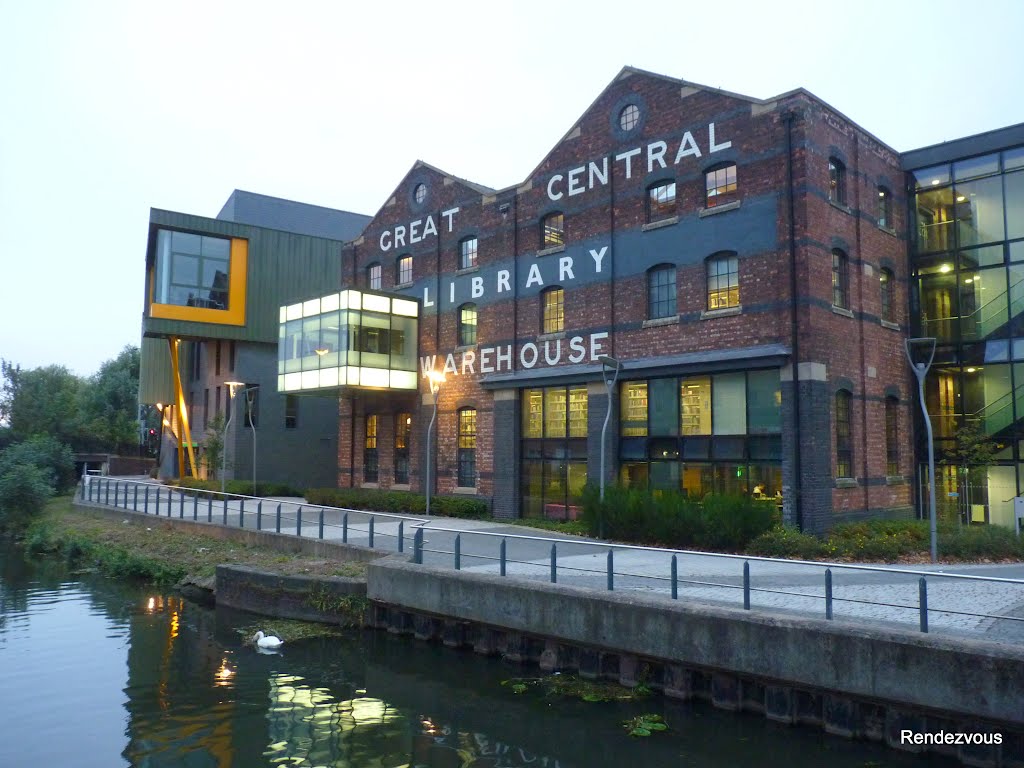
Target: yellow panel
[(234, 315)]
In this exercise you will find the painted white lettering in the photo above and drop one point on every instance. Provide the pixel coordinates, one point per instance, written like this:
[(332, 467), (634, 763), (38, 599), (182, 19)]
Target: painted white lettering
[(565, 269), (414, 231), (551, 193), (427, 364), (712, 146), (399, 236), (656, 153), (451, 292), (477, 287), (506, 358), (628, 157), (468, 358), (429, 228), (449, 365), (595, 346), (503, 284), (532, 348), (426, 297), (547, 352), (687, 147), (574, 181), (601, 175), (534, 277), (385, 240), (598, 257), (448, 215), (578, 350), (485, 360)]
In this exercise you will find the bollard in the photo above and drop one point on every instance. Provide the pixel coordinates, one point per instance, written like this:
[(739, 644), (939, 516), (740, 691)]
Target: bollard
[(344, 528), (922, 591), (321, 524), (241, 513), (277, 524), (458, 552), (417, 547), (225, 510), (156, 510), (501, 556), (106, 496), (746, 585), (145, 500), (554, 559), (209, 508), (611, 572), (170, 499), (181, 505), (828, 594), (135, 500), (401, 535), (298, 522), (371, 531), (675, 578), (259, 515), (195, 506)]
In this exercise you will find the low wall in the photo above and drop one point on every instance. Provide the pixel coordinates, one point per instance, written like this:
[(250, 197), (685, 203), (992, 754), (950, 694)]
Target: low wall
[(851, 679), (326, 599)]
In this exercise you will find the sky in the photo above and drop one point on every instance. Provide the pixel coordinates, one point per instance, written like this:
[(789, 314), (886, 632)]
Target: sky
[(109, 108)]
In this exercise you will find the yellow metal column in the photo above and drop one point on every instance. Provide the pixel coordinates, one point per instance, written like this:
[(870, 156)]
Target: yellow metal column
[(184, 433)]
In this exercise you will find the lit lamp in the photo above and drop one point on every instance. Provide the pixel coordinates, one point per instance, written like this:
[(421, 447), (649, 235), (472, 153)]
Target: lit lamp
[(250, 397), (610, 368), (917, 350), (436, 380)]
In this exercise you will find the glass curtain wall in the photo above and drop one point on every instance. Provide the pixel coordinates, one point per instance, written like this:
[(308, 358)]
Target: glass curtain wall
[(554, 450)]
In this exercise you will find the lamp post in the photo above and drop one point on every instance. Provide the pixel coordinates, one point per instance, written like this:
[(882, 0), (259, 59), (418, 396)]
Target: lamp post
[(436, 380), (610, 368), (920, 368), (250, 396)]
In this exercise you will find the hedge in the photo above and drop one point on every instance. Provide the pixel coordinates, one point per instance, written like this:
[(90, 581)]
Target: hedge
[(399, 502)]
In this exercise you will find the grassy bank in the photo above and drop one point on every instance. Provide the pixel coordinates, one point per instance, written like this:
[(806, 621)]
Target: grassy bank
[(155, 551)]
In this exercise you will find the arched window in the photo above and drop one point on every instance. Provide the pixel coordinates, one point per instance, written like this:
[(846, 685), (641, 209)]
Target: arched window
[(661, 291), (723, 280), (884, 207), (720, 184), (836, 181), (892, 441), (467, 448), (467, 325), (373, 277), (844, 434), (886, 284), (403, 270), (840, 279), (552, 310), (467, 252), (552, 230), (661, 201)]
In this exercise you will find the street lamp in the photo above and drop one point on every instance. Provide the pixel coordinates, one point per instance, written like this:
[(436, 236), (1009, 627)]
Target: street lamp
[(610, 368), (436, 380), (250, 397), (926, 347)]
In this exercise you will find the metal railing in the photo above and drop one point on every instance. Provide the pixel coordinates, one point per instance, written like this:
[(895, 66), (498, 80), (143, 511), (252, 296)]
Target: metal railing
[(537, 557)]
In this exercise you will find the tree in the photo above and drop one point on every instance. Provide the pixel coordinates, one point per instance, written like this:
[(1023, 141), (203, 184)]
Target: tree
[(109, 403), (213, 446), (53, 458), (41, 401), (972, 447)]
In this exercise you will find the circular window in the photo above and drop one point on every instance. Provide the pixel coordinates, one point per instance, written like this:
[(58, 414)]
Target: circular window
[(420, 193), (629, 117)]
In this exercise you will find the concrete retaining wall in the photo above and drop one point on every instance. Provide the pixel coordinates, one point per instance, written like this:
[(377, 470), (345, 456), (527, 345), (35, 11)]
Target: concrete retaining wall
[(326, 599)]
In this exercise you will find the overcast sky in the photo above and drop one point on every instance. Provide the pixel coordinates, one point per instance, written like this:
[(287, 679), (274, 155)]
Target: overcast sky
[(110, 108)]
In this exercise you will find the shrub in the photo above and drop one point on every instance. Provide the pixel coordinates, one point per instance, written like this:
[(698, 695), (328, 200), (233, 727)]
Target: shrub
[(53, 457), (733, 521), (972, 542), (24, 489), (239, 487), (398, 502), (784, 541)]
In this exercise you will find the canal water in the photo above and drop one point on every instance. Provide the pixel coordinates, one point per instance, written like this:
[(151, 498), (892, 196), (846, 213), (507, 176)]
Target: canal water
[(99, 673)]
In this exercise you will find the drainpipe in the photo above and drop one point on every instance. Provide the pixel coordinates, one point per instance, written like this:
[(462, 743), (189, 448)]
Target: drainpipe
[(794, 324)]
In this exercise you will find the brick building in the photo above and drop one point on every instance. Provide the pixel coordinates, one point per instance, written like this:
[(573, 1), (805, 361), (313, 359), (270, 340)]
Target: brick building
[(744, 260)]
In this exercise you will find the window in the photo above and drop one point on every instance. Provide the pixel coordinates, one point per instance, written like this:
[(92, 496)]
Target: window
[(403, 432), (216, 403), (885, 208), (192, 270), (370, 450), (467, 325), (373, 277), (892, 443), (844, 435), (217, 359), (661, 201), (403, 270), (885, 281), (721, 185), (836, 181), (467, 448), (467, 253), (207, 416), (291, 411), (629, 117), (554, 451), (552, 302), (840, 279), (197, 349), (723, 281), (251, 417), (661, 292), (552, 230), (419, 194)]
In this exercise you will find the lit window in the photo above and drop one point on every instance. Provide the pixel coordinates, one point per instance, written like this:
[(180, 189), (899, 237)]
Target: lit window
[(661, 201), (844, 432), (629, 117), (885, 280), (370, 450), (467, 253), (723, 281), (720, 184), (467, 324), (836, 181), (373, 277), (840, 279), (403, 433), (467, 448), (291, 411), (553, 310), (892, 442), (884, 208), (553, 230), (661, 292), (403, 272)]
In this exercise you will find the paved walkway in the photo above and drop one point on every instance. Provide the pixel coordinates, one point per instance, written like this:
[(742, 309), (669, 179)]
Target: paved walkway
[(978, 608)]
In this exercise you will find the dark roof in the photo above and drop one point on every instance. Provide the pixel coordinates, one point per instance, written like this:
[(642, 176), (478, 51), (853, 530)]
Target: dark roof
[(288, 215), (968, 146)]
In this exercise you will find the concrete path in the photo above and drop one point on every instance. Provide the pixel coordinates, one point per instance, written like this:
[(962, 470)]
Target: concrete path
[(978, 608)]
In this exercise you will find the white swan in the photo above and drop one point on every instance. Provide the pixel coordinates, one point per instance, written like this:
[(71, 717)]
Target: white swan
[(267, 641)]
